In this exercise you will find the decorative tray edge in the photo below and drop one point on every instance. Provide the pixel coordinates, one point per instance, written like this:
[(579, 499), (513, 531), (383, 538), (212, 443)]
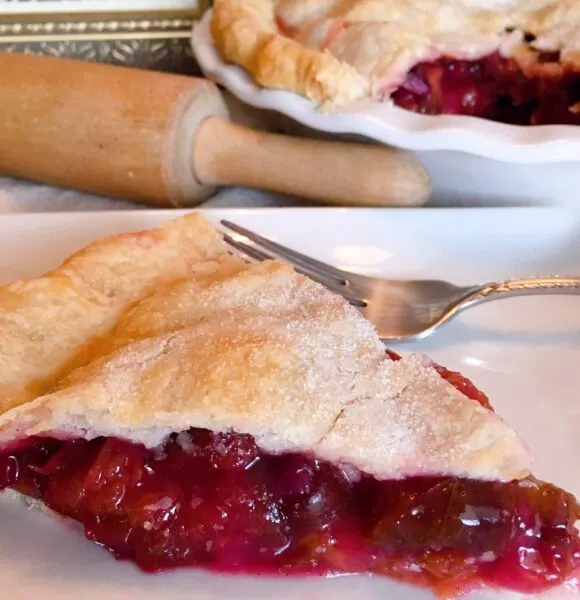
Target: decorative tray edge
[(152, 39)]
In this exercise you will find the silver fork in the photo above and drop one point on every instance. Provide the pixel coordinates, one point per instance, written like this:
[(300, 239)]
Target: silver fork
[(399, 309)]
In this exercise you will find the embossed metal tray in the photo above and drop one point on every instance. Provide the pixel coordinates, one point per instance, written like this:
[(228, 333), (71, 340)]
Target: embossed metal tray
[(150, 34)]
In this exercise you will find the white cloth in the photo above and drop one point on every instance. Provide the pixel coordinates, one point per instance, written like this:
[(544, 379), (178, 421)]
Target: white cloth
[(20, 196)]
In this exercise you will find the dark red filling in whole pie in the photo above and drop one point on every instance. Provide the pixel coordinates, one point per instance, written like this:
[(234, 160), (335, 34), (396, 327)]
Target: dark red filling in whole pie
[(216, 500), (495, 88)]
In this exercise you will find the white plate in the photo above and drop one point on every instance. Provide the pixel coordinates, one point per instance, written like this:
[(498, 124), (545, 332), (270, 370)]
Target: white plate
[(471, 161), (524, 352)]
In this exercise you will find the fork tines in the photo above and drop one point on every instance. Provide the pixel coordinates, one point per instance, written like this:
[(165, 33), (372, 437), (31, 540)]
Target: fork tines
[(260, 248)]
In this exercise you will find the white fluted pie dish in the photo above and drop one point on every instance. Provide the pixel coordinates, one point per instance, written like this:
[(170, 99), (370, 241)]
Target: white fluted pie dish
[(472, 161)]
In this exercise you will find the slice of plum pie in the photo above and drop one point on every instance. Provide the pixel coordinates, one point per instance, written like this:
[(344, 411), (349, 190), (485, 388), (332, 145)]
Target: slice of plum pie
[(192, 410)]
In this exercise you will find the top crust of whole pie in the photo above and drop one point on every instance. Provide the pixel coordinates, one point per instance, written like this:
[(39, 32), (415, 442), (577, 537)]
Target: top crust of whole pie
[(340, 51), (138, 344)]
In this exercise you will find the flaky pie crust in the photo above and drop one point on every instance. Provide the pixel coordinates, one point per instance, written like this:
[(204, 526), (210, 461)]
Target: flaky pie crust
[(336, 52), (150, 333)]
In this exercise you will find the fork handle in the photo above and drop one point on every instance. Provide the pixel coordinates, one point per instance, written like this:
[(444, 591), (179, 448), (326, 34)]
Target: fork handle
[(522, 287)]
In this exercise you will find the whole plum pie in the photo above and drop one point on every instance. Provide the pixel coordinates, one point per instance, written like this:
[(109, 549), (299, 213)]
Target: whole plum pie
[(513, 61), (192, 410)]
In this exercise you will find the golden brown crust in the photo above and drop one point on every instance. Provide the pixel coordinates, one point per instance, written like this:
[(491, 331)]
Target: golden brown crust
[(241, 27), (261, 350), (246, 33), (48, 324), (337, 51)]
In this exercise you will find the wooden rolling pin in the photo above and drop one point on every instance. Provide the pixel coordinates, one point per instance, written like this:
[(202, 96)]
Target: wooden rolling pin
[(166, 140)]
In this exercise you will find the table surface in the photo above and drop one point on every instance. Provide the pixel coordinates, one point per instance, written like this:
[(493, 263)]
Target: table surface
[(20, 196)]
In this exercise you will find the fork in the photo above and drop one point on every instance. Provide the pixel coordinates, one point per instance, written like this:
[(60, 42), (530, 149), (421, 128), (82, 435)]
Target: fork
[(399, 309)]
